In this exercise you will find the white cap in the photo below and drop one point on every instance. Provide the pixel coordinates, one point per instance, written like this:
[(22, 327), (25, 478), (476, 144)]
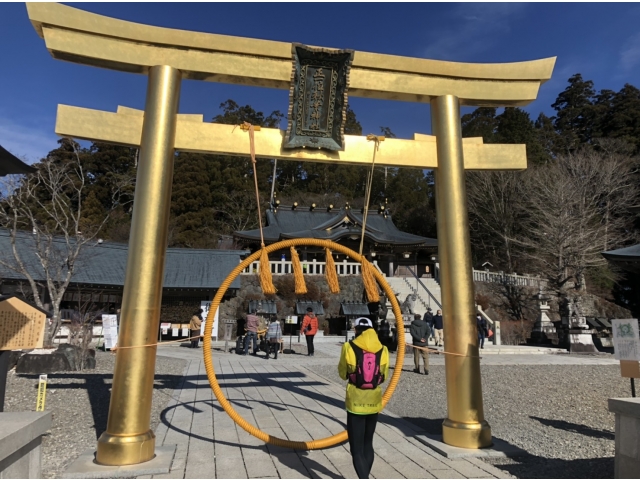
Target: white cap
[(363, 322)]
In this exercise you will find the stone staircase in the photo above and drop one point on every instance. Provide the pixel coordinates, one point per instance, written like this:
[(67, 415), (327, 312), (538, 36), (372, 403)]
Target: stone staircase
[(405, 286)]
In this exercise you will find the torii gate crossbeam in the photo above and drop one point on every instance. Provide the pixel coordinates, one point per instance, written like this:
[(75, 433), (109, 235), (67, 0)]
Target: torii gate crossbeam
[(167, 56)]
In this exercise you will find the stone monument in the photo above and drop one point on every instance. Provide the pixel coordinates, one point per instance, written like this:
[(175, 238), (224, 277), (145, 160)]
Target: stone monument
[(543, 330), (580, 335)]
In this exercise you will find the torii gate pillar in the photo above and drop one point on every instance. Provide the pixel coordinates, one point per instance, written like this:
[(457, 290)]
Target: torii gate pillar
[(128, 438), (465, 425)]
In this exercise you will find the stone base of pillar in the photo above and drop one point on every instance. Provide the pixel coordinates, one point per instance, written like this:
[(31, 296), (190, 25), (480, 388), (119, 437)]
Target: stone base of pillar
[(581, 341), (544, 334)]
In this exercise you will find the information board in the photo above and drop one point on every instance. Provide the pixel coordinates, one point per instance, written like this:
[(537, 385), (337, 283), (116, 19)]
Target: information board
[(205, 305), (21, 325), (110, 330), (626, 339)]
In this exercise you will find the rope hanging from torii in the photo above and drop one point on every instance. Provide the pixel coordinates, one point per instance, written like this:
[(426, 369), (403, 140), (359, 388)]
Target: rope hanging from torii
[(266, 280)]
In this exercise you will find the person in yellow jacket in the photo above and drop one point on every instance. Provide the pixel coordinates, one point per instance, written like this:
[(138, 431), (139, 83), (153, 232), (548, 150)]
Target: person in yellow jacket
[(364, 363)]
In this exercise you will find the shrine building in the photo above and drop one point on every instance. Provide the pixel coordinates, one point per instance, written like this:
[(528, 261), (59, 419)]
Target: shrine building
[(391, 249)]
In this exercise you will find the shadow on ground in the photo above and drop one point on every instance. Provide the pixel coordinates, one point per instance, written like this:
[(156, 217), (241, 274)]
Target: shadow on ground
[(575, 428), (98, 387), (531, 466)]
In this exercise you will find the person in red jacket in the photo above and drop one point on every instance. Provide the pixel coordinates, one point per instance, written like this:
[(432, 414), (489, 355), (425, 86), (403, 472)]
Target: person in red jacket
[(309, 329)]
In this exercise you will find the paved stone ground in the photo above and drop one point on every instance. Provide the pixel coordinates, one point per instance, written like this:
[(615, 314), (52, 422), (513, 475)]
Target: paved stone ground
[(285, 398)]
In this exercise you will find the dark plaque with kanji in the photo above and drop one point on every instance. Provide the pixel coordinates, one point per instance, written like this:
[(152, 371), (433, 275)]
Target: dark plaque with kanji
[(318, 97)]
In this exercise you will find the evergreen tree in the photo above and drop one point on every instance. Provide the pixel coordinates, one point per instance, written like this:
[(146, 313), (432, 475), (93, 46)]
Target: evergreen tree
[(576, 113), (515, 126), (482, 122), (621, 115)]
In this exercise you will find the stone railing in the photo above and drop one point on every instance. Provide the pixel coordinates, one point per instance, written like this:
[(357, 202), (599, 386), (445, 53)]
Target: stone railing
[(508, 278), (500, 277), (313, 267)]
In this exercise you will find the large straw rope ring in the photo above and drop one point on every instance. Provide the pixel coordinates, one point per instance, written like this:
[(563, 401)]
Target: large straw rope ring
[(256, 432)]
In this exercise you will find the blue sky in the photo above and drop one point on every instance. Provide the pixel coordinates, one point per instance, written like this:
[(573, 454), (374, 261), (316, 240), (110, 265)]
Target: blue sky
[(601, 41)]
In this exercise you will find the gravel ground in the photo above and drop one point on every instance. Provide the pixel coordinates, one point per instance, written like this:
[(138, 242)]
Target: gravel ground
[(557, 414), (80, 405)]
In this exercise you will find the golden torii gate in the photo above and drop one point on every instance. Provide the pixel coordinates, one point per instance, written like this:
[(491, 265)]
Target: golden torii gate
[(167, 56)]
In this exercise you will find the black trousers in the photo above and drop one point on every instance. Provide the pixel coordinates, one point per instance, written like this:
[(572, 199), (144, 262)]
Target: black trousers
[(195, 341), (273, 347), (361, 429), (310, 349)]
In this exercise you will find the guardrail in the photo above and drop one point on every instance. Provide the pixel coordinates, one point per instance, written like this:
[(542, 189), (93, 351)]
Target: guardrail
[(431, 297)]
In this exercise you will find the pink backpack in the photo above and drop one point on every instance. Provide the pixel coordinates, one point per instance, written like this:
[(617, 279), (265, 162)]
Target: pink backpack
[(367, 374)]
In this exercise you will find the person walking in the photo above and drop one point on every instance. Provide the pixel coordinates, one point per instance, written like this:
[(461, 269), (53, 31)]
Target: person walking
[(420, 333), (309, 328), (252, 332), (482, 329), (194, 328), (437, 325), (364, 363), (428, 319), (273, 337)]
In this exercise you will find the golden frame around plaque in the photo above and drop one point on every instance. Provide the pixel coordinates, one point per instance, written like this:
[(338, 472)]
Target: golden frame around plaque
[(167, 56)]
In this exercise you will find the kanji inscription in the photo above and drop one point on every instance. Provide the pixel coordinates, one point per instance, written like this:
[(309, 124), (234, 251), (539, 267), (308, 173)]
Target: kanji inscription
[(20, 329), (318, 98)]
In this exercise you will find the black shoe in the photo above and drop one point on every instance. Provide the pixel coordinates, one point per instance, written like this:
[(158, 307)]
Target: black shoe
[(416, 370), (255, 354), (267, 357), (426, 372)]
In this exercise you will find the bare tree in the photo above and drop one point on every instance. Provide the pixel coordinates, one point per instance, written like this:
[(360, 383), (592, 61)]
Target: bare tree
[(574, 209), (496, 210), (49, 228)]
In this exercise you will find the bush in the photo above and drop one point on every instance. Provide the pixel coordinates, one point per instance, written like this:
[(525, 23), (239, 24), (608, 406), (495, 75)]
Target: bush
[(515, 332)]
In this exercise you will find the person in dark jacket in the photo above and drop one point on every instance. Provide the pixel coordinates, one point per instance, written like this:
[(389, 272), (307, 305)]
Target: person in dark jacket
[(428, 318), (419, 333), (437, 325), (482, 329)]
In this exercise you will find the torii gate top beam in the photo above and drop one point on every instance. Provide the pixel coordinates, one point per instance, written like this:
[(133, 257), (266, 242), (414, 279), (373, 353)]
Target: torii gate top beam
[(91, 39)]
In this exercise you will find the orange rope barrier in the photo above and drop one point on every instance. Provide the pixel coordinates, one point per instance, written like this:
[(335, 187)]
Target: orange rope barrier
[(442, 352)]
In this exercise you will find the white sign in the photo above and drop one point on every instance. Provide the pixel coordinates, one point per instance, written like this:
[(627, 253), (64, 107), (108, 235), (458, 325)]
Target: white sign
[(174, 332), (165, 328), (185, 332), (205, 305), (110, 330), (291, 319), (626, 339)]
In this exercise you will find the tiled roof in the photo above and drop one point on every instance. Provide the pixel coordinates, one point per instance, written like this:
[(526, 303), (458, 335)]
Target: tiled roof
[(626, 258), (286, 223), (355, 308), (105, 264)]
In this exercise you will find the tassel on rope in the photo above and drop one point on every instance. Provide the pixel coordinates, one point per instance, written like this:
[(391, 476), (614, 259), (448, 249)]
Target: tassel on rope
[(298, 276), (370, 285), (266, 282), (330, 273)]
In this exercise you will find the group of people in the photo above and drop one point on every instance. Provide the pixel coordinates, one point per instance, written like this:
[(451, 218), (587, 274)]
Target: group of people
[(273, 336)]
